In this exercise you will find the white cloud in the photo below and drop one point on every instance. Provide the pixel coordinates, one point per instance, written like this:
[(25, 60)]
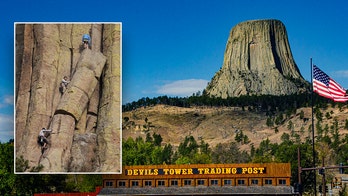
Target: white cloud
[(9, 100), (183, 87), (6, 118), (6, 100), (341, 73), (6, 128)]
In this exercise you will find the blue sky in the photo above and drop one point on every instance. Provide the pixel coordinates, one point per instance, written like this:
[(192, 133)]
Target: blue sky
[(174, 47)]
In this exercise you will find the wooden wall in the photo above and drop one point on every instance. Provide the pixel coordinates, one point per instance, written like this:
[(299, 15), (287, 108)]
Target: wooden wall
[(267, 174)]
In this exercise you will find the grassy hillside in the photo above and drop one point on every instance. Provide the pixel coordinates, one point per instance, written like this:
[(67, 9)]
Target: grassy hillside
[(222, 124)]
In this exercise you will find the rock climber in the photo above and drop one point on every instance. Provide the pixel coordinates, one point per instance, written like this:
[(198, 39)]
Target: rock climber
[(64, 84), (42, 137), (86, 40)]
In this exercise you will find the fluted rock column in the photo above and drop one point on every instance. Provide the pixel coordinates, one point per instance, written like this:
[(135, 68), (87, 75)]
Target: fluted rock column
[(71, 106), (109, 123), (24, 49), (257, 61), (45, 53), (35, 105)]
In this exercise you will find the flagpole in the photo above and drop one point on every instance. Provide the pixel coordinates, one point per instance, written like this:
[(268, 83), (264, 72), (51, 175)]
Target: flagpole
[(313, 148)]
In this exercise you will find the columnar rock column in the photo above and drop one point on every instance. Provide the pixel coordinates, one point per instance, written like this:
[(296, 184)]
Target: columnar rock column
[(70, 109), (85, 119), (109, 128), (24, 49), (42, 72), (257, 61)]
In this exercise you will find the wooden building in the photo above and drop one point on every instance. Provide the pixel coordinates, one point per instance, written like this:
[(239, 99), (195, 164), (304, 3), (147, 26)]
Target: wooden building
[(200, 179)]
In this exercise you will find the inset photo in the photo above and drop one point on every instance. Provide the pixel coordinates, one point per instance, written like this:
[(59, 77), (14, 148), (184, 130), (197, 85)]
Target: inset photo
[(68, 97)]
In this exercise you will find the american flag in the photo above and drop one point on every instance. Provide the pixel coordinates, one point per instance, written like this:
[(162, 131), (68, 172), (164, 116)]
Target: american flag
[(327, 87)]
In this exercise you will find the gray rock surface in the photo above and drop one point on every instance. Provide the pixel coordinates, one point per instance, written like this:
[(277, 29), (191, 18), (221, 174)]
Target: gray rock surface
[(257, 61), (45, 53)]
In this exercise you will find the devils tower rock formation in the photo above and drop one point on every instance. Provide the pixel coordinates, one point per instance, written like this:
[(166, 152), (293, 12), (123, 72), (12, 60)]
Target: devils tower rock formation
[(257, 61), (85, 119)]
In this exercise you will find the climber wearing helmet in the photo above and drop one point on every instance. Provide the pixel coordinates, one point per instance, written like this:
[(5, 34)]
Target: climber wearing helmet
[(86, 40)]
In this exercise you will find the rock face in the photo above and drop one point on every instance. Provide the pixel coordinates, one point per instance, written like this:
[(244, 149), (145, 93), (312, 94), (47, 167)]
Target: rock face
[(85, 119), (257, 61)]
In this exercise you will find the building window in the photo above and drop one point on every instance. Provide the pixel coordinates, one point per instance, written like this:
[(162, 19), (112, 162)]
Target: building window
[(268, 182), (254, 182), (121, 183), (227, 182), (174, 183), (200, 182), (214, 182), (108, 184), (135, 183), (241, 182), (282, 181), (161, 183), (187, 182), (148, 183)]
